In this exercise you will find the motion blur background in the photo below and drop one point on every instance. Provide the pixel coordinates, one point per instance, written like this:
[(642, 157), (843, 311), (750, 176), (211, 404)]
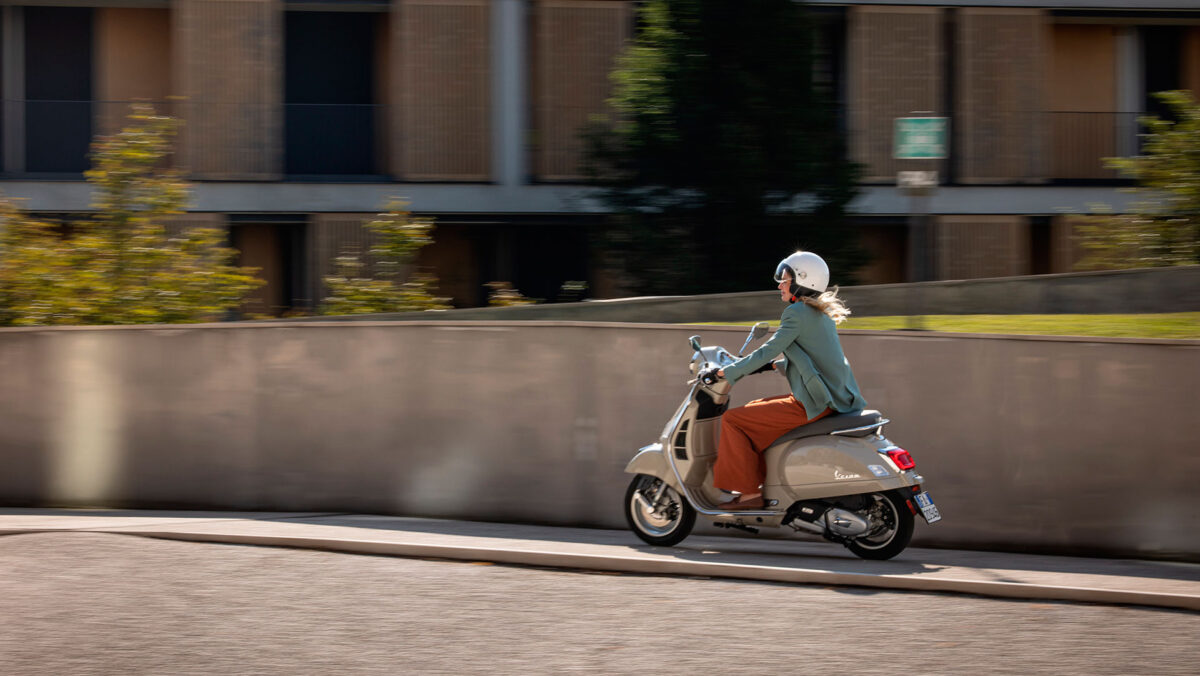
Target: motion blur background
[(301, 118)]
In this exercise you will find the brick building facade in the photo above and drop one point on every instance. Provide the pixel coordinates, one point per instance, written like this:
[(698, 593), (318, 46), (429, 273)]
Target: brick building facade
[(303, 118)]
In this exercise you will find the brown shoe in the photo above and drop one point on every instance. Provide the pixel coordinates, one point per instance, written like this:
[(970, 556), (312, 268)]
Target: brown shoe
[(738, 503)]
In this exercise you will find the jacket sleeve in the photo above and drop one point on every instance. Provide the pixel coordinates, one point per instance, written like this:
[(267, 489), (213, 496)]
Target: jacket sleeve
[(790, 327)]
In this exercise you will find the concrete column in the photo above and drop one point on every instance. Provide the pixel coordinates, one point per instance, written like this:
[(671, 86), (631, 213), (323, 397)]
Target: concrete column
[(1130, 88), (13, 58), (510, 93)]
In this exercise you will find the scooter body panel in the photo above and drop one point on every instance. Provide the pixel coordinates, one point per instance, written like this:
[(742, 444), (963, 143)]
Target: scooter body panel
[(650, 460), (829, 466)]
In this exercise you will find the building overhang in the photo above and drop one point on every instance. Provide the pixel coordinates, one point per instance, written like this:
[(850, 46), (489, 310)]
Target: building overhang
[(1142, 5), (301, 198)]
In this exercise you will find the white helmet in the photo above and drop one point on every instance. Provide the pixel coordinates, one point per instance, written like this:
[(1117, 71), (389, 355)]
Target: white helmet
[(809, 271)]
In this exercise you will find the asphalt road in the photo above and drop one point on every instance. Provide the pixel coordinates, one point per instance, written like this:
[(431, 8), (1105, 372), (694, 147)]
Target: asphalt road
[(91, 603)]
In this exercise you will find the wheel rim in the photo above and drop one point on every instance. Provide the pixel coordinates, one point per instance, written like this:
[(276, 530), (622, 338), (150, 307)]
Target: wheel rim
[(883, 512), (661, 522)]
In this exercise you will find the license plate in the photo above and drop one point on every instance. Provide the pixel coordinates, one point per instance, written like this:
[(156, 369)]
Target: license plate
[(928, 509)]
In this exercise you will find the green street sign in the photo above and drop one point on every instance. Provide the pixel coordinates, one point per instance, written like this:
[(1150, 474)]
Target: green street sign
[(921, 138)]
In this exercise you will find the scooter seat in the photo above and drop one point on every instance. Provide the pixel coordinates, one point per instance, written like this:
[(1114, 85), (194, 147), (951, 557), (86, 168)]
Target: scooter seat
[(834, 423)]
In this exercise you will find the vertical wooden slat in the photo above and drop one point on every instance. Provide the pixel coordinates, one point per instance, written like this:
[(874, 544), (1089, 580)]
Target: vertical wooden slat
[(577, 43), (1190, 60), (384, 97), (896, 57), (228, 66), (132, 52), (1065, 251), (973, 247), (1001, 99), (441, 55), (1081, 91)]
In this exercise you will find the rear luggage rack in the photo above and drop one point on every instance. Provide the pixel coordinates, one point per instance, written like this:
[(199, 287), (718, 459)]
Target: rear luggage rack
[(864, 428)]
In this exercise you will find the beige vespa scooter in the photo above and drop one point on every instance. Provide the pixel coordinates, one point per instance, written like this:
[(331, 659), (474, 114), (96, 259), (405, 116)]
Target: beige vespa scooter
[(837, 477)]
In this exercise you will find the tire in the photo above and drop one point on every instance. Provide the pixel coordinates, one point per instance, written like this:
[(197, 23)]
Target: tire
[(670, 526), (892, 536)]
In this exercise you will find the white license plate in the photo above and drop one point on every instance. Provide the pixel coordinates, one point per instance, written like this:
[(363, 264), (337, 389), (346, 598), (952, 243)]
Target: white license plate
[(928, 509)]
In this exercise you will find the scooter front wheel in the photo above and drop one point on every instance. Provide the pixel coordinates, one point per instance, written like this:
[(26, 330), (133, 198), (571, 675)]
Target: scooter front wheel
[(656, 512)]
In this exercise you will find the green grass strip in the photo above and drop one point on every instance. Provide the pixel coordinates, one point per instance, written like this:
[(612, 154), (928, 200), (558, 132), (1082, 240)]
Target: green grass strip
[(1176, 325)]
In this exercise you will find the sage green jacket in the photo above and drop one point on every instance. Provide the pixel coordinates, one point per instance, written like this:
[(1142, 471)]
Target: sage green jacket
[(816, 368)]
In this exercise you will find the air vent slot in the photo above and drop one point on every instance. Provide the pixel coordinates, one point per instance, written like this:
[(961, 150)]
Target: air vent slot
[(681, 441)]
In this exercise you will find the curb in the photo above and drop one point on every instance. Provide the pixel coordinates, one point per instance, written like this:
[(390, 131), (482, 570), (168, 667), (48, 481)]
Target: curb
[(629, 564)]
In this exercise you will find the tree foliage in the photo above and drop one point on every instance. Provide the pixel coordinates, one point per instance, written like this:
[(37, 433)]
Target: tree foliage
[(120, 266), (1164, 226), (725, 152), (502, 294), (393, 285)]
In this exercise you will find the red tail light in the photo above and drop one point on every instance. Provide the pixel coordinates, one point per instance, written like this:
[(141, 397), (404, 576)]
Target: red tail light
[(902, 459)]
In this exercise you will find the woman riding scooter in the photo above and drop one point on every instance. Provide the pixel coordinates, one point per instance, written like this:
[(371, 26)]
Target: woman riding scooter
[(817, 371)]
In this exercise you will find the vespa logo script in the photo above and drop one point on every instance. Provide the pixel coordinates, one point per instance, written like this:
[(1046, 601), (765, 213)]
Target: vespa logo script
[(839, 473)]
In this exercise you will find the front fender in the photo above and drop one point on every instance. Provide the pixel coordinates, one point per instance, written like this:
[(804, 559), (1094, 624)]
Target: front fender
[(649, 460)]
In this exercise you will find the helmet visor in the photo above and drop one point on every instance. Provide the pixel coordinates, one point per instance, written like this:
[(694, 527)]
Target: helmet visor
[(782, 268)]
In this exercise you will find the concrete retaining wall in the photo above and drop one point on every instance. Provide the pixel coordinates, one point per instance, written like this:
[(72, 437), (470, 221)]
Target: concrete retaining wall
[(1059, 444), (1120, 291)]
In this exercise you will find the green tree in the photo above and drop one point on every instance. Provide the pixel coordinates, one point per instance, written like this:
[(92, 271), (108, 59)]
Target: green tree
[(395, 285), (725, 152), (120, 266), (1164, 225)]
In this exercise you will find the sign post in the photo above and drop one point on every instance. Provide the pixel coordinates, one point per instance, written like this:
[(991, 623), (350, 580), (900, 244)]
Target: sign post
[(919, 138)]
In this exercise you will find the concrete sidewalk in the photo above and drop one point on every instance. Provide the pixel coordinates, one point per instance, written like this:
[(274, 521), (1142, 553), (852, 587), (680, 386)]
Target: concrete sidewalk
[(1150, 583)]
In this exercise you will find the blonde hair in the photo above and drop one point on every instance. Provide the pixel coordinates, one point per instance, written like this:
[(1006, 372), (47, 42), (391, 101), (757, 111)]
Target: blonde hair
[(829, 303)]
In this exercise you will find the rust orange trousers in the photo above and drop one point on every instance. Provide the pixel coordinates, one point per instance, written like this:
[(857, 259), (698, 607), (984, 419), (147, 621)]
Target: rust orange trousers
[(746, 431)]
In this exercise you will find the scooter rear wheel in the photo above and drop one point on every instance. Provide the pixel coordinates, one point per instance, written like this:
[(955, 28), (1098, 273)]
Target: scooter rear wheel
[(668, 522), (894, 532)]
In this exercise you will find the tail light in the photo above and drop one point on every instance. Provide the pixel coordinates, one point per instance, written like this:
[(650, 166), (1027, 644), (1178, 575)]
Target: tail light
[(902, 458)]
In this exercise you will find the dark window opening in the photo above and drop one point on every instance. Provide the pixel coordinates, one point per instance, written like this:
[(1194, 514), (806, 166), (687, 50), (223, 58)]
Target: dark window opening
[(829, 61), (517, 254), (330, 114), (58, 88), (1040, 254), (1163, 50)]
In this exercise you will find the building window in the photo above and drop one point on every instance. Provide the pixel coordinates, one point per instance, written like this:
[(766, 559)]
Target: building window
[(58, 89), (330, 92)]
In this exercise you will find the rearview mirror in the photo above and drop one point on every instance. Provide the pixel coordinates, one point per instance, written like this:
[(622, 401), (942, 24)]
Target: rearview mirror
[(694, 341), (759, 330)]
